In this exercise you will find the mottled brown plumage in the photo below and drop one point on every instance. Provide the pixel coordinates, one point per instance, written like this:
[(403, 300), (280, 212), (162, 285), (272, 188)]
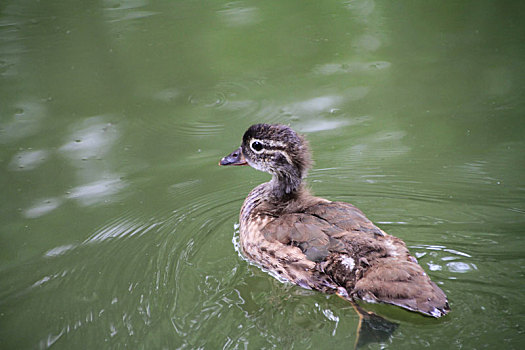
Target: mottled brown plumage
[(318, 244)]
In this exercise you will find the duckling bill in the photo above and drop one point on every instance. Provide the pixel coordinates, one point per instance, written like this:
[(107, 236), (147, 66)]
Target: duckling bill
[(319, 244)]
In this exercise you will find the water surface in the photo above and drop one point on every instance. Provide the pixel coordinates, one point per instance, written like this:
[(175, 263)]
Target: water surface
[(118, 229)]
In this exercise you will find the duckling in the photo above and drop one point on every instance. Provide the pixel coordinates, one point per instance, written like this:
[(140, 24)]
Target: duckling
[(328, 246)]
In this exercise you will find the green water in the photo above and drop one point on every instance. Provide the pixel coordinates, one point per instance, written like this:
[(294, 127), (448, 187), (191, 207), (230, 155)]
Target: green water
[(117, 227)]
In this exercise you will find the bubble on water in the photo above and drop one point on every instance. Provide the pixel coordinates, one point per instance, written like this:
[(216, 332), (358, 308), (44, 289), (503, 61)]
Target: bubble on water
[(460, 267), (434, 267)]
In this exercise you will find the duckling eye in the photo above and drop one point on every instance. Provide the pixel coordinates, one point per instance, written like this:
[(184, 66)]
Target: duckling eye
[(257, 146)]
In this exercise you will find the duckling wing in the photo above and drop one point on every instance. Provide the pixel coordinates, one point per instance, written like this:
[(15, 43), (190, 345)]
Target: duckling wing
[(311, 234), (402, 283), (344, 216), (352, 253)]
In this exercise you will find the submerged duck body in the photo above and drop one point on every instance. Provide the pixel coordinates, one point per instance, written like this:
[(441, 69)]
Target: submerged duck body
[(319, 244)]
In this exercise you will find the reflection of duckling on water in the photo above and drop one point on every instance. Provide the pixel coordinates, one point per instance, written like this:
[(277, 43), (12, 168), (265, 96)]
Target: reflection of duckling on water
[(318, 244)]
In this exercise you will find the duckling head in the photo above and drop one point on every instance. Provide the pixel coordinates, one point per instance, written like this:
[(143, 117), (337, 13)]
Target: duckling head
[(275, 149)]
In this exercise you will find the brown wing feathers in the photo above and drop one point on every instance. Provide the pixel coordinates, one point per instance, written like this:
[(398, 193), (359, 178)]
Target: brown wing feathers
[(358, 256), (402, 283)]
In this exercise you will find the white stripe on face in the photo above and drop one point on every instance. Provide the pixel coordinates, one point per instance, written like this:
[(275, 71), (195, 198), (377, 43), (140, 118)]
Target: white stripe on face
[(271, 143)]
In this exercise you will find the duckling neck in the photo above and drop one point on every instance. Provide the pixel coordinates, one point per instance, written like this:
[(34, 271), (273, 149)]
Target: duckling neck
[(284, 186), (270, 198), (273, 197)]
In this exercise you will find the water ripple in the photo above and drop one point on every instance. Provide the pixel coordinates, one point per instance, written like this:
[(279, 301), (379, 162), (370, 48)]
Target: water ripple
[(196, 128), (237, 16), (118, 11)]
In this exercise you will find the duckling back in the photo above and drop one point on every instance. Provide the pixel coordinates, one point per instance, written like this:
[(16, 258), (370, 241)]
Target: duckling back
[(332, 247)]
